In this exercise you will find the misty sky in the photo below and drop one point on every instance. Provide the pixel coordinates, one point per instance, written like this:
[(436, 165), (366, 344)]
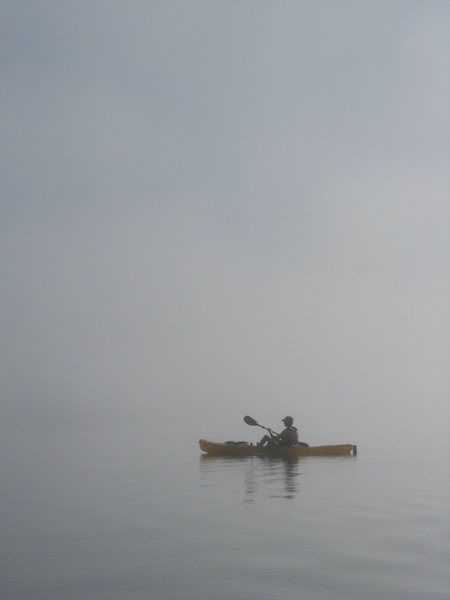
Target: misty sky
[(212, 209)]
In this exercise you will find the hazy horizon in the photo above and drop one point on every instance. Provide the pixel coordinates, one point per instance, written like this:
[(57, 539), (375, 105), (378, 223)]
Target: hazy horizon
[(217, 209)]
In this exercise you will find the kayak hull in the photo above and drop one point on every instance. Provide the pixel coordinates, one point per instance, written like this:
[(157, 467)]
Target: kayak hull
[(248, 449)]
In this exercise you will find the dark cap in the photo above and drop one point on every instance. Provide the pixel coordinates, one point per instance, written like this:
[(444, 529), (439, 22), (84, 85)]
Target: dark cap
[(288, 419)]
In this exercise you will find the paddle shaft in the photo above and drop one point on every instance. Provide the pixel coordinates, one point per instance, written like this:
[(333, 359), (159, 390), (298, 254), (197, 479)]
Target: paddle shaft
[(269, 430)]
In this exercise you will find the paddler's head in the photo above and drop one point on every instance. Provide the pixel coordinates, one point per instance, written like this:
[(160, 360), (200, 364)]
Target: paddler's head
[(288, 421)]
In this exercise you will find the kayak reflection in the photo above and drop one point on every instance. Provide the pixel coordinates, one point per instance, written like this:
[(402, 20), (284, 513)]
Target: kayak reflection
[(275, 477), (278, 476)]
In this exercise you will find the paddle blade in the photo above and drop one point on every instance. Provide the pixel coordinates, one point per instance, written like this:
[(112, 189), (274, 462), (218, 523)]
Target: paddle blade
[(250, 421)]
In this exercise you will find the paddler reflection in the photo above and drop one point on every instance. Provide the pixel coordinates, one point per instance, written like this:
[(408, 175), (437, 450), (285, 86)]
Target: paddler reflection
[(262, 476), (275, 478)]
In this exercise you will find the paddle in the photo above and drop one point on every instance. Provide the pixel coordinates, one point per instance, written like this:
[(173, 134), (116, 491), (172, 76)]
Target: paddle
[(253, 422)]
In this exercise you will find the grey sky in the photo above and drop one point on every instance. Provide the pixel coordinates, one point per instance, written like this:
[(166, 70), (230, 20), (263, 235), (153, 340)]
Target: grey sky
[(210, 209)]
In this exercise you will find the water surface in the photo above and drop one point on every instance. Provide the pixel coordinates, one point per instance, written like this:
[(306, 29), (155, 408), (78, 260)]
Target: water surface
[(106, 515)]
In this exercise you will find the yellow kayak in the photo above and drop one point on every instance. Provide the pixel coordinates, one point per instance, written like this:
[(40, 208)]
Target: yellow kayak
[(248, 449)]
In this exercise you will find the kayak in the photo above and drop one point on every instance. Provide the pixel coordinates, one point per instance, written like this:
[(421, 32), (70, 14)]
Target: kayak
[(249, 449)]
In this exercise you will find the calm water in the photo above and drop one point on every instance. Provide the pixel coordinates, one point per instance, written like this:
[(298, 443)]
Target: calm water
[(109, 516)]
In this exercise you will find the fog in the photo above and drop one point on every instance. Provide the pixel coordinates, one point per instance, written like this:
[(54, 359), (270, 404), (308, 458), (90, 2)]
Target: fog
[(212, 209)]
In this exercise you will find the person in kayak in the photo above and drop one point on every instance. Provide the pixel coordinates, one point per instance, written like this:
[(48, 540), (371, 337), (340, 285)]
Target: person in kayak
[(288, 437)]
